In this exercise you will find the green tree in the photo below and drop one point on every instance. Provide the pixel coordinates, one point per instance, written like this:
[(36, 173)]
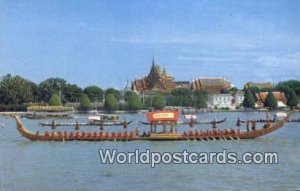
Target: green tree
[(201, 102), (85, 103), (158, 101), (292, 100), (134, 102), (71, 93), (55, 100), (201, 93), (254, 91), (293, 84), (111, 103), (284, 88), (115, 92), (181, 97), (289, 94), (127, 95), (51, 86), (249, 100), (271, 101), (94, 93), (16, 90), (148, 102), (234, 90)]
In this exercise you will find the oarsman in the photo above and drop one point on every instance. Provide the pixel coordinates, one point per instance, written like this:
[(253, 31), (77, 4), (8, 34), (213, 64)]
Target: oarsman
[(137, 131), (274, 118), (238, 123), (53, 125), (248, 125), (214, 124), (267, 125), (253, 125), (77, 126)]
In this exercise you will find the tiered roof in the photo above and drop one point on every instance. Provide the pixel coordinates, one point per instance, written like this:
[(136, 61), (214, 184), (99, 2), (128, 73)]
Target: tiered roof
[(261, 97), (260, 85), (157, 79), (211, 85)]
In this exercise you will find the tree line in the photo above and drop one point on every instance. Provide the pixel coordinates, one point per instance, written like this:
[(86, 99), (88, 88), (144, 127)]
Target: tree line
[(16, 92)]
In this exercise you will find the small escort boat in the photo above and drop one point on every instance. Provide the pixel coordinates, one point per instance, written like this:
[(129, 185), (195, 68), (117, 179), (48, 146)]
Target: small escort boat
[(107, 120), (97, 120), (104, 123)]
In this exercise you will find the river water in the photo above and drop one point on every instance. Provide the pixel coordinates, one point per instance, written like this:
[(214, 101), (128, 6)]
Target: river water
[(27, 165)]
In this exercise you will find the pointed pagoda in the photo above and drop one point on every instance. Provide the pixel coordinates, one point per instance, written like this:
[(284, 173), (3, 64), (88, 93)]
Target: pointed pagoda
[(157, 79)]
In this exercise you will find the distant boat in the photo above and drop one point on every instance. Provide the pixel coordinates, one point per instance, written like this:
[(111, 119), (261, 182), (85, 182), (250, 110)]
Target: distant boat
[(188, 110), (94, 112), (107, 120), (105, 123), (43, 115)]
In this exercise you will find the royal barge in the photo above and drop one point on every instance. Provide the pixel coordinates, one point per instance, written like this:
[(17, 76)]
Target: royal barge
[(164, 117)]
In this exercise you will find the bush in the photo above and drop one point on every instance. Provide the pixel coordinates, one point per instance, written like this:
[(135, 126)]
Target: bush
[(85, 103), (158, 101), (55, 100), (12, 107), (94, 93), (249, 101), (201, 102), (271, 101), (292, 100), (111, 102), (134, 102)]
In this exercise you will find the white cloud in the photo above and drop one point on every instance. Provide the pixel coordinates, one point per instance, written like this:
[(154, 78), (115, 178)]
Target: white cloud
[(153, 41), (217, 41), (290, 61), (211, 59)]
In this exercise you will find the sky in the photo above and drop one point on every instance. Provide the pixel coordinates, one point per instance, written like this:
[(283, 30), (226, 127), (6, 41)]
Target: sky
[(109, 42)]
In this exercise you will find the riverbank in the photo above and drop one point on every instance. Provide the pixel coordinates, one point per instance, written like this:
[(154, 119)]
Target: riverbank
[(145, 111)]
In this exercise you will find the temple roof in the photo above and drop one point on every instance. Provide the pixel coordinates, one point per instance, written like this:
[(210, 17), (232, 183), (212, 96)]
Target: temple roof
[(211, 85), (157, 79), (279, 96), (260, 85)]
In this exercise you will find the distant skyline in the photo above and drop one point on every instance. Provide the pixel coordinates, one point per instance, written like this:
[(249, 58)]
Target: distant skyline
[(108, 42)]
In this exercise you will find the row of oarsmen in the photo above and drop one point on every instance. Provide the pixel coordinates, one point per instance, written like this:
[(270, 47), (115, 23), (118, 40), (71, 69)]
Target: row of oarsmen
[(92, 135), (211, 132)]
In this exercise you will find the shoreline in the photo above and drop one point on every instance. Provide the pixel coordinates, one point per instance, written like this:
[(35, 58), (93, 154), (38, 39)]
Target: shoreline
[(143, 111)]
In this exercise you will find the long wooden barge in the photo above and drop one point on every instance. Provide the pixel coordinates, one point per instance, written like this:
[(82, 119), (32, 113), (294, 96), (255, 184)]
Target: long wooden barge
[(214, 134)]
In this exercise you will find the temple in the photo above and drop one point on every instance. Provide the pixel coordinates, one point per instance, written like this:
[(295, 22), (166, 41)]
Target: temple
[(279, 96), (211, 85), (157, 79)]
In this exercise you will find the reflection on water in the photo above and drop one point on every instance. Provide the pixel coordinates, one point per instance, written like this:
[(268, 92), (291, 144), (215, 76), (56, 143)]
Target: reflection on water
[(75, 165)]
